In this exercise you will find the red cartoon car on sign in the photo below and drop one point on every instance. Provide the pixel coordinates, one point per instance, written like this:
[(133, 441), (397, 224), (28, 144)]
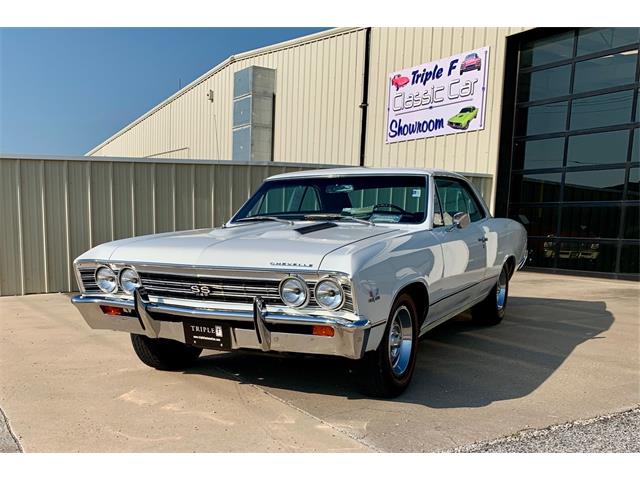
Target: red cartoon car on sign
[(399, 81), (470, 62)]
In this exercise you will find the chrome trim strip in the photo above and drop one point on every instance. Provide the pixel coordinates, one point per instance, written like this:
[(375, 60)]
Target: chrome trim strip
[(219, 314)]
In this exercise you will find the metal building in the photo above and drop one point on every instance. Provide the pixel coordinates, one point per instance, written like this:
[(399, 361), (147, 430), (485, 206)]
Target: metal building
[(326, 85), (552, 143)]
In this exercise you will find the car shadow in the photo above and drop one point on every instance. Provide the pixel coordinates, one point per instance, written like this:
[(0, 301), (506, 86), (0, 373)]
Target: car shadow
[(459, 363)]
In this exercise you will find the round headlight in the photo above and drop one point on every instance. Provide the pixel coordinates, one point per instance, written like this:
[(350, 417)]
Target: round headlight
[(106, 280), (329, 294), (294, 292), (129, 280)]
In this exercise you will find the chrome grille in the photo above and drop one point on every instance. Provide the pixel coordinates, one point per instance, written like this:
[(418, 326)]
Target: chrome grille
[(232, 290), (223, 289), (220, 290), (88, 278)]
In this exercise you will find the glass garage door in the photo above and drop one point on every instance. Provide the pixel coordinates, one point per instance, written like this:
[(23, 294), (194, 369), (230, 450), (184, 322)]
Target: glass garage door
[(575, 156)]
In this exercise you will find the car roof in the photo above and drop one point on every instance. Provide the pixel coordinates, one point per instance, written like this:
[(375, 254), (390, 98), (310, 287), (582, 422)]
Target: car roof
[(360, 171)]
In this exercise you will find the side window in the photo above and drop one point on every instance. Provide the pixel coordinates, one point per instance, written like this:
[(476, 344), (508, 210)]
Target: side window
[(456, 197), (438, 217)]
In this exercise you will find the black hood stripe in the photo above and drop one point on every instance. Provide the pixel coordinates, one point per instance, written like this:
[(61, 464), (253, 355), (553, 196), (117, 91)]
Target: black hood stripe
[(315, 227)]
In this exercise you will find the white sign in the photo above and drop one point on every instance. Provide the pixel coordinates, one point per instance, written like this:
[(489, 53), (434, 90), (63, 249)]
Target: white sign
[(438, 98)]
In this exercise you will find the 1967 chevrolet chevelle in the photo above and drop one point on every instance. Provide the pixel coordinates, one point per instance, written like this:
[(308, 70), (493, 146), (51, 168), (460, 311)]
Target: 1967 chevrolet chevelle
[(352, 262)]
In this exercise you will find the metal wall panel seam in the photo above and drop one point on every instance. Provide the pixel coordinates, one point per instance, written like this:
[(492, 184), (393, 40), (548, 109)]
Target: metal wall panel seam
[(173, 194), (88, 173), (153, 196), (20, 227), (66, 221), (111, 210), (133, 200), (193, 197), (44, 228), (212, 194), (230, 183)]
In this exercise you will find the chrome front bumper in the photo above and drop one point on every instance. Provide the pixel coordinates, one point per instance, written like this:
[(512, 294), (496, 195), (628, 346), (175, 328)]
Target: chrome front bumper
[(257, 328)]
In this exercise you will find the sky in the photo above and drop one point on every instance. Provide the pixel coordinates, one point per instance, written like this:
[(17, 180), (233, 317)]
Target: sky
[(65, 90)]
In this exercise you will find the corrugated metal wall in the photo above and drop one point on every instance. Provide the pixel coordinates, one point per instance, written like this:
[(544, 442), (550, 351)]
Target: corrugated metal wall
[(53, 209), (317, 115), (319, 82), (397, 48)]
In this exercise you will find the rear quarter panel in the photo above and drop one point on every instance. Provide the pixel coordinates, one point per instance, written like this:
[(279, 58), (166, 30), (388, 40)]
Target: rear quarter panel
[(506, 238)]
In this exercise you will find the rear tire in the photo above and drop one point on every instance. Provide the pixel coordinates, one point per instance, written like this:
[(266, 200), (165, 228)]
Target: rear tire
[(491, 310), (387, 371), (164, 354)]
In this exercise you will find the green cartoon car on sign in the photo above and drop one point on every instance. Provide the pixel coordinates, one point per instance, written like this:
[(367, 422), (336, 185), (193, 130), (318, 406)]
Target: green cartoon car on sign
[(462, 120)]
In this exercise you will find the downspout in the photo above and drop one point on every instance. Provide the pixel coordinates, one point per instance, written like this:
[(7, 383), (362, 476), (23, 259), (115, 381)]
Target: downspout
[(365, 95)]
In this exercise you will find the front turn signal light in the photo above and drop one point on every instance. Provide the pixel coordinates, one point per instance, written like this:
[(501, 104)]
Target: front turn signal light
[(109, 310), (323, 331)]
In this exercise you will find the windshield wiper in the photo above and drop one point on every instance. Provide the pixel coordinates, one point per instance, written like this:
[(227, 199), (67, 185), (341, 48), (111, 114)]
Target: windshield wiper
[(264, 218), (337, 216)]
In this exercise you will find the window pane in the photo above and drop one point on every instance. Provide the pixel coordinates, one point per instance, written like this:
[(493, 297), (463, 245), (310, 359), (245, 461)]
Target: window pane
[(591, 40), (632, 223), (600, 222), (536, 187), (594, 185), (598, 148), (455, 198), (438, 218), (542, 252), (546, 50), (602, 110), (542, 119), (633, 192), (589, 256), (630, 259), (552, 82), (605, 72), (538, 154), (539, 221), (310, 200)]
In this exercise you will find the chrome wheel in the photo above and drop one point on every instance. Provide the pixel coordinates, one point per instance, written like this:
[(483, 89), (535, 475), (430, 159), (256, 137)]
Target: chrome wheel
[(501, 290), (400, 341)]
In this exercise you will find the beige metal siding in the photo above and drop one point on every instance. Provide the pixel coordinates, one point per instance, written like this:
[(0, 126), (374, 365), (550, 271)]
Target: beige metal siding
[(397, 48), (53, 209), (317, 114)]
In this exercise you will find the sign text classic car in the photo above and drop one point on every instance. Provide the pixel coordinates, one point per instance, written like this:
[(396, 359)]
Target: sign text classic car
[(438, 98)]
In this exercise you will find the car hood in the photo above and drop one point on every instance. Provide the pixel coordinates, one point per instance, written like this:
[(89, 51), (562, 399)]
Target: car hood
[(257, 245)]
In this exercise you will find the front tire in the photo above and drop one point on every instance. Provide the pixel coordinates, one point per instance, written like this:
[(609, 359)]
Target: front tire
[(387, 371), (164, 354), (491, 310)]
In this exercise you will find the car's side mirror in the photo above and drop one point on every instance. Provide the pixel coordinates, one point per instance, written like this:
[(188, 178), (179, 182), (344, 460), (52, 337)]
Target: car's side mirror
[(461, 220)]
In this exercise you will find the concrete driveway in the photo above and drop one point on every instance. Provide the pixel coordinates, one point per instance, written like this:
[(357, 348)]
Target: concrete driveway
[(568, 349)]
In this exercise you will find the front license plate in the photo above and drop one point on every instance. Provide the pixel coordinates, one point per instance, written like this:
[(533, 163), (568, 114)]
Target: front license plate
[(207, 334)]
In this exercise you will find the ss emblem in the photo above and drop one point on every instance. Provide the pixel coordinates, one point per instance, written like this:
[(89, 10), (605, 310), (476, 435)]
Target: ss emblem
[(201, 290)]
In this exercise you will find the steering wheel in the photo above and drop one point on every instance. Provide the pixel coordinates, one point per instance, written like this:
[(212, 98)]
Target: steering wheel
[(392, 207)]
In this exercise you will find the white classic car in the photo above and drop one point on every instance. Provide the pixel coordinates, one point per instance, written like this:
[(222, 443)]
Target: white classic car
[(353, 262)]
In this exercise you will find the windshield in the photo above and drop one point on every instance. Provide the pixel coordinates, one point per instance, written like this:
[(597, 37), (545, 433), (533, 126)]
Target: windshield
[(466, 110), (379, 199)]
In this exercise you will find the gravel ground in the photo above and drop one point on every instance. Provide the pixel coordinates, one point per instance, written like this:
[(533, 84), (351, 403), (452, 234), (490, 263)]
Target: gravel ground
[(617, 432), (8, 442)]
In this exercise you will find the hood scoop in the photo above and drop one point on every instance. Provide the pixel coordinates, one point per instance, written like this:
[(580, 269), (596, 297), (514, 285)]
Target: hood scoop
[(316, 227)]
